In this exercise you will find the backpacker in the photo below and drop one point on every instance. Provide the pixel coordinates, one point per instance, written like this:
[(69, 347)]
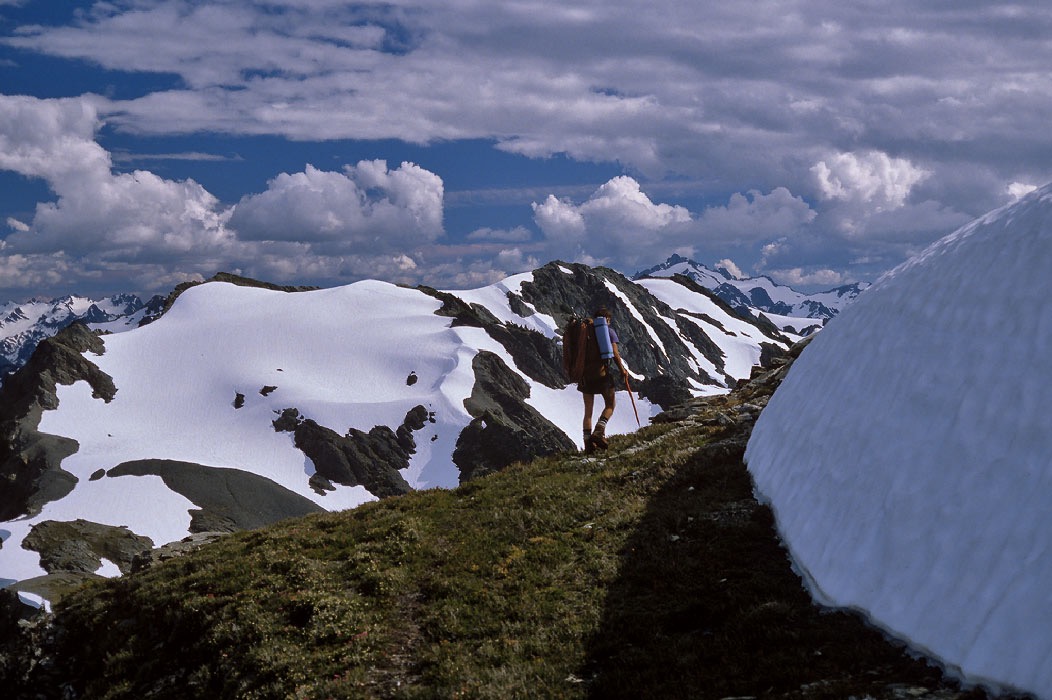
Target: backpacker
[(580, 350)]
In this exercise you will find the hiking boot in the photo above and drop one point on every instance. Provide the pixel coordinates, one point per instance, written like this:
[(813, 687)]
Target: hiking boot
[(589, 445), (598, 441)]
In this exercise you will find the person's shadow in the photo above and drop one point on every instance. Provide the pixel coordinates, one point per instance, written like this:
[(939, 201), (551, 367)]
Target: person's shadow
[(707, 605)]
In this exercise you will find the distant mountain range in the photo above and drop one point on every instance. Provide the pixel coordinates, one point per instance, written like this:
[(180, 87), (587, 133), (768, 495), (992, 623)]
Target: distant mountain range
[(241, 404), (24, 325), (785, 306)]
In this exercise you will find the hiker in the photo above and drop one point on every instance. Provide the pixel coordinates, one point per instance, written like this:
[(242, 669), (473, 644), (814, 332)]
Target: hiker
[(598, 378)]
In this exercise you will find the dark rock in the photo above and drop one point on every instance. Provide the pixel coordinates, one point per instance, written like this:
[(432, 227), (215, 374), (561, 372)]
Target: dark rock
[(663, 390), (173, 550), (411, 379), (516, 304), (267, 390), (462, 313), (287, 421), (505, 429), (561, 295), (372, 459), (239, 400), (772, 355), (80, 545), (227, 499), (319, 484), (537, 356), (30, 461)]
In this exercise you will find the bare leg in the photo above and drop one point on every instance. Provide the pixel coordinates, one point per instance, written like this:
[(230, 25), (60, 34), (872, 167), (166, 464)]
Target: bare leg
[(599, 434), (608, 404), (589, 403)]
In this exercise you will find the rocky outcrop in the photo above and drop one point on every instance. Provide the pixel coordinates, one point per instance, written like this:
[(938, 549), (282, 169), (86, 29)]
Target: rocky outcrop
[(30, 461), (536, 356), (227, 499), (80, 546), (372, 459), (504, 429), (647, 343)]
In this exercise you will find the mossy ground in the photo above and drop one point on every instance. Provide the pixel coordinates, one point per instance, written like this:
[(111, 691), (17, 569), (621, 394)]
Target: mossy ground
[(647, 572)]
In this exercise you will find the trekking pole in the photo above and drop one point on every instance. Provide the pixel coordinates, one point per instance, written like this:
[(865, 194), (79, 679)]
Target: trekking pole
[(630, 396)]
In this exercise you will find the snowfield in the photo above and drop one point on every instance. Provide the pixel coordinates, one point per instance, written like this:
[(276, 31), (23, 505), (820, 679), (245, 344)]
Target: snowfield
[(204, 383), (341, 356), (908, 454)]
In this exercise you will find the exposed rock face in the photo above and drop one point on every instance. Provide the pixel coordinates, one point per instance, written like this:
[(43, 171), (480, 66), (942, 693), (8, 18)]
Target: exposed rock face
[(227, 500), (372, 459), (505, 428), (24, 326), (581, 292), (80, 546), (30, 471), (539, 357)]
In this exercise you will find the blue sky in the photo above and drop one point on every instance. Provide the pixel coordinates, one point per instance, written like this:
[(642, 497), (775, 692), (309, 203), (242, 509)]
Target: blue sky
[(144, 143)]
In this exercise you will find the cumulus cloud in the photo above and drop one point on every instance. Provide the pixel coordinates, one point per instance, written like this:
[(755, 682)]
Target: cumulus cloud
[(141, 231), (366, 208), (730, 266), (619, 224), (733, 100), (872, 178), (799, 278), (128, 216), (755, 216), (1018, 190), (617, 219)]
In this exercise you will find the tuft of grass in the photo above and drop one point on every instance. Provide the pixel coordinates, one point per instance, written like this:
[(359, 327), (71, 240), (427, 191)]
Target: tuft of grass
[(648, 571)]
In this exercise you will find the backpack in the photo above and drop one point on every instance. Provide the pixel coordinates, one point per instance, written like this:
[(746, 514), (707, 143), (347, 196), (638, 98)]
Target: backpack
[(580, 350)]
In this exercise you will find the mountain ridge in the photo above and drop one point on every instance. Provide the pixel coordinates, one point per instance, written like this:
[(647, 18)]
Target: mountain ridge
[(783, 304), (396, 386), (647, 572)]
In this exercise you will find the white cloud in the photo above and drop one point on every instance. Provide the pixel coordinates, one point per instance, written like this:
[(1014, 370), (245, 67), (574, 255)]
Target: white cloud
[(729, 265), (134, 216), (620, 225), (616, 219), (559, 218), (51, 139), (519, 234), (140, 231), (871, 178), (756, 216), (1018, 190), (731, 100), (367, 208), (798, 277)]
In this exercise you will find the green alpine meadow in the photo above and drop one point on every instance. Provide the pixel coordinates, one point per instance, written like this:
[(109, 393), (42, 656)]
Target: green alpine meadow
[(647, 571)]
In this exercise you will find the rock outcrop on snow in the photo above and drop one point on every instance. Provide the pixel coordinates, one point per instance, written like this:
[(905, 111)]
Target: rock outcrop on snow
[(30, 461), (392, 388), (24, 325), (504, 428)]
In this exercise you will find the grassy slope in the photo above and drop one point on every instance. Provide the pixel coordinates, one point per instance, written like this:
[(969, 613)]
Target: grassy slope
[(650, 572)]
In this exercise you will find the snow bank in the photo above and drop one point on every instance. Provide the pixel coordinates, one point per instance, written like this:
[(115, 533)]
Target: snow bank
[(907, 453)]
